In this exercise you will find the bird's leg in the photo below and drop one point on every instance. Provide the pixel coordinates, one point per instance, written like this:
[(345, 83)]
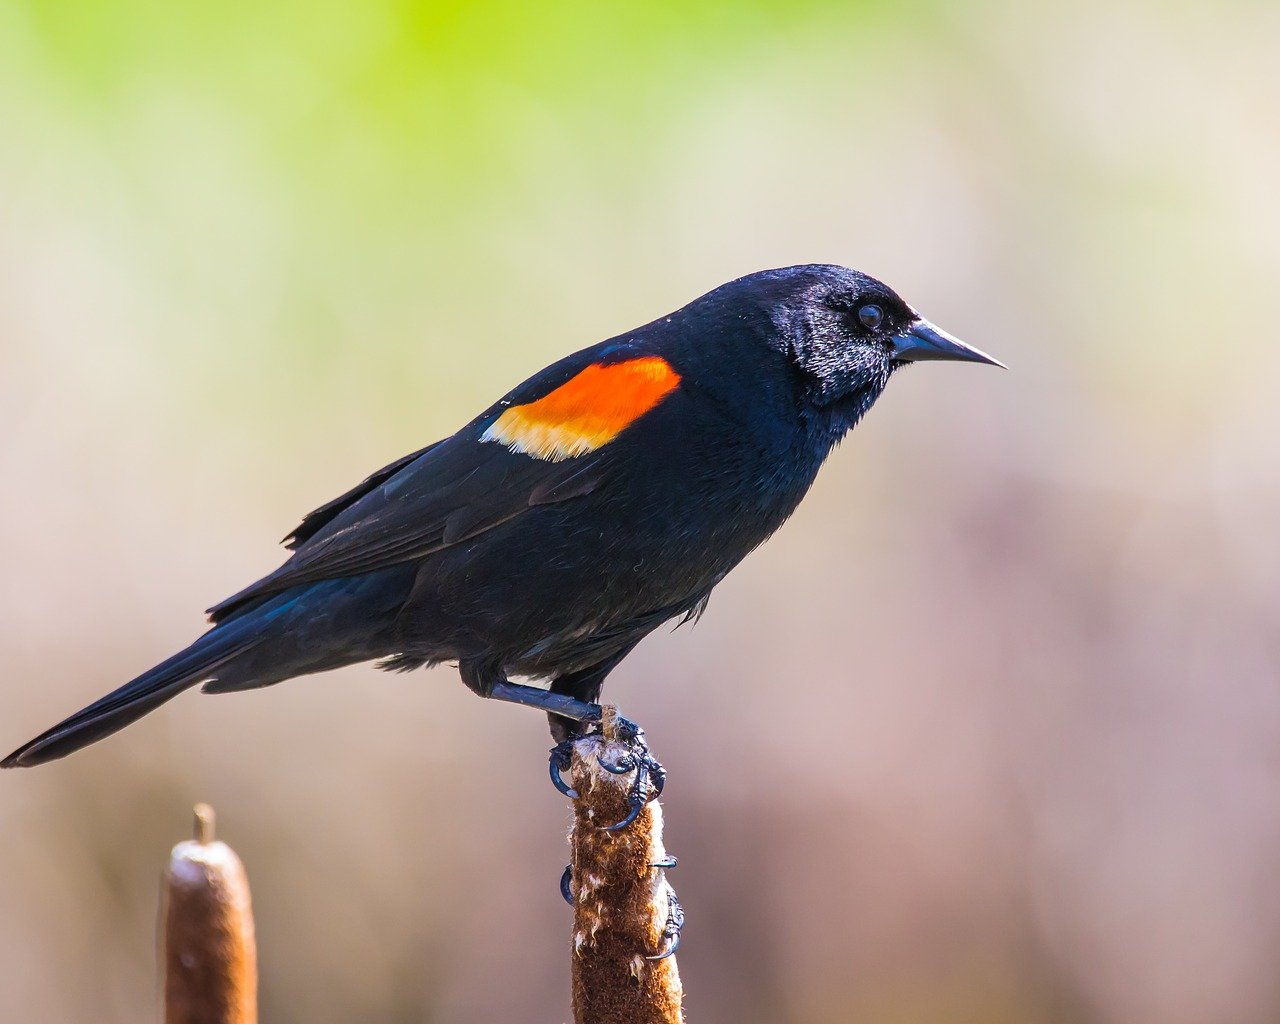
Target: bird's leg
[(584, 684), (650, 775), (534, 697)]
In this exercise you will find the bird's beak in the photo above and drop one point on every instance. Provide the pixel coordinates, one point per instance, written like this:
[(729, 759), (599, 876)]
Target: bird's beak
[(922, 340)]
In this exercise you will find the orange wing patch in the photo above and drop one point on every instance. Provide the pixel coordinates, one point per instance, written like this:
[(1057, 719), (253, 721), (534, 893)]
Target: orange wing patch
[(586, 412)]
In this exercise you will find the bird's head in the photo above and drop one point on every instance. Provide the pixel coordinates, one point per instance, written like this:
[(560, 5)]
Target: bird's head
[(846, 333)]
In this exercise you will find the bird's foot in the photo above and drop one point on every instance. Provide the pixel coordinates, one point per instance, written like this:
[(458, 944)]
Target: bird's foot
[(650, 776), (671, 930), (566, 882)]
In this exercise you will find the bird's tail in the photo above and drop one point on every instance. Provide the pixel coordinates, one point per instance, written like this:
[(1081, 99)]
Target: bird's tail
[(310, 628), (130, 702)]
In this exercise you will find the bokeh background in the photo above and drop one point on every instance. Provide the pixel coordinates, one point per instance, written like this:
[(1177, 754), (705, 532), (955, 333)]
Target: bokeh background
[(989, 732)]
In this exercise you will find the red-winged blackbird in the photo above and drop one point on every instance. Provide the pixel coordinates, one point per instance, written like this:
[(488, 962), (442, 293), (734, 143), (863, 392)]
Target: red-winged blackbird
[(602, 497)]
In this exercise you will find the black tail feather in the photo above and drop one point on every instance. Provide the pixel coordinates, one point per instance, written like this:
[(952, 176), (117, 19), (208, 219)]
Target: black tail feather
[(133, 700), (307, 629)]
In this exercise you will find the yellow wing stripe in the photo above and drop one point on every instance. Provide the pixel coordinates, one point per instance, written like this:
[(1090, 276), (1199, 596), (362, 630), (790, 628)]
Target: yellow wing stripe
[(586, 412)]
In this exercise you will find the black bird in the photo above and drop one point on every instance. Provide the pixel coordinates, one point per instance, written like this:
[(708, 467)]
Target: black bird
[(604, 496)]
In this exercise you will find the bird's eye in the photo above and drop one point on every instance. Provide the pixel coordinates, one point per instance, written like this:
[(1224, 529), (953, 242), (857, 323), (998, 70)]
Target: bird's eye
[(870, 316)]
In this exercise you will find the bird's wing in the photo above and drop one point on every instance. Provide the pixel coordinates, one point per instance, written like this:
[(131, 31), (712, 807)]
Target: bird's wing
[(548, 441), (313, 522)]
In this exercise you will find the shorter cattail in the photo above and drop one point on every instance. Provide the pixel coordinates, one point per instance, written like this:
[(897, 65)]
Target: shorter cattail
[(209, 957)]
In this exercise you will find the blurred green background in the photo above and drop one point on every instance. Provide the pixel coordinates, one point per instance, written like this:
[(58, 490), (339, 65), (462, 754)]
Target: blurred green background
[(988, 733)]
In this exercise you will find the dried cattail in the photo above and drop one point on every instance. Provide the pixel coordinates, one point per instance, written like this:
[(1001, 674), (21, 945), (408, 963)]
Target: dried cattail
[(625, 915), (210, 961)]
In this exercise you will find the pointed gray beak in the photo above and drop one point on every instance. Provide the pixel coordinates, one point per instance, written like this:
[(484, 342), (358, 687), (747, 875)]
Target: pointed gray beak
[(922, 340)]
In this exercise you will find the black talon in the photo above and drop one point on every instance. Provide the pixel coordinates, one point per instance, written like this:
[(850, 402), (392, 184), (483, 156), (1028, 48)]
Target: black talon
[(625, 764), (559, 762), (632, 814), (671, 930), (566, 882), (669, 951)]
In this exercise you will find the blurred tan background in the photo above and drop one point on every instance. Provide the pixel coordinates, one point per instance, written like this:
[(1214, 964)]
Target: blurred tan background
[(989, 732)]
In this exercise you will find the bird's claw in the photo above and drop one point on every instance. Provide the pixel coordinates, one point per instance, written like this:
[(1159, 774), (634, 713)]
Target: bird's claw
[(674, 925), (561, 757), (671, 930), (650, 778)]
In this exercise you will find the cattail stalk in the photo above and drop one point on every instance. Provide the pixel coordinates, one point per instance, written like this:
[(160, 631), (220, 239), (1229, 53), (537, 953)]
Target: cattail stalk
[(622, 902), (209, 957)]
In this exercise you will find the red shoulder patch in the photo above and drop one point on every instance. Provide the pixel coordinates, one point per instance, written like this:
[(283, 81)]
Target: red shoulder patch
[(587, 411)]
